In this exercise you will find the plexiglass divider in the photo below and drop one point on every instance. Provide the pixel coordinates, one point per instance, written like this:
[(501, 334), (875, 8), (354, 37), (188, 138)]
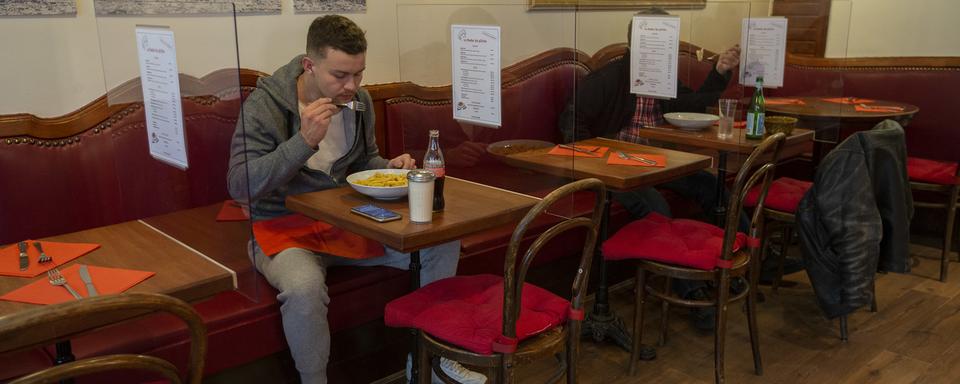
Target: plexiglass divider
[(176, 184), (538, 69)]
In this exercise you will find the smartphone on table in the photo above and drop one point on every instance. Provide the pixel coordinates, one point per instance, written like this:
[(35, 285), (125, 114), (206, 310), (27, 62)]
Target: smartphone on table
[(375, 212)]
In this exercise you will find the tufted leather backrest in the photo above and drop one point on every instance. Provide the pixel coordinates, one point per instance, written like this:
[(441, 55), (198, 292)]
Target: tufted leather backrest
[(105, 174)]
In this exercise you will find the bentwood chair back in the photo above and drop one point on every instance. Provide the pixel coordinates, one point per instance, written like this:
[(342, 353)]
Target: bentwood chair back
[(46, 325), (494, 324)]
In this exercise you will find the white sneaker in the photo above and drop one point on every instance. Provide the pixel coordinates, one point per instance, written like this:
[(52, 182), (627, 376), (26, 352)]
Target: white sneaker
[(452, 369)]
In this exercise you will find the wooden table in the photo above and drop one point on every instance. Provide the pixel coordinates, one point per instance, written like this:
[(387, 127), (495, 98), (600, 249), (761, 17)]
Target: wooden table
[(601, 322), (470, 208), (739, 144), (180, 272), (615, 177), (833, 122)]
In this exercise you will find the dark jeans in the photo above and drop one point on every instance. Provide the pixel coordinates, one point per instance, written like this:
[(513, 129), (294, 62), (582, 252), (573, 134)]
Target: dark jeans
[(700, 187)]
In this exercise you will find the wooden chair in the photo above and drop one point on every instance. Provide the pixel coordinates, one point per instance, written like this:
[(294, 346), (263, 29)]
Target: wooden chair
[(56, 323), (710, 254), (499, 331), (942, 178), (780, 210)]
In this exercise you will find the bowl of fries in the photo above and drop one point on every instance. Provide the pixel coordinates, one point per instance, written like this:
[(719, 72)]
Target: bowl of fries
[(383, 184)]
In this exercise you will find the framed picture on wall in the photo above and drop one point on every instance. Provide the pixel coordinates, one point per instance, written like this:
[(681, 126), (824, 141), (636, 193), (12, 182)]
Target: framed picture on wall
[(615, 4)]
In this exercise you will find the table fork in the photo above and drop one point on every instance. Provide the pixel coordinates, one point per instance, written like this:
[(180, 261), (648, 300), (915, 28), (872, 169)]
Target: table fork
[(354, 105), (57, 279), (43, 256), (626, 156)]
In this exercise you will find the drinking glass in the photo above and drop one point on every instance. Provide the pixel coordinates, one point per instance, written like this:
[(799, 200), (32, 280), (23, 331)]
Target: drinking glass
[(727, 110)]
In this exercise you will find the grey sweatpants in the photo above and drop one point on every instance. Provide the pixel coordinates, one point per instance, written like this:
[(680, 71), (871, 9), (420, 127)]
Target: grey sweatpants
[(300, 276)]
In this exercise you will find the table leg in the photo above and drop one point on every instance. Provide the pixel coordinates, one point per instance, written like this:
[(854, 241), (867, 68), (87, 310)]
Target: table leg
[(414, 285), (720, 211), (602, 322), (64, 355)]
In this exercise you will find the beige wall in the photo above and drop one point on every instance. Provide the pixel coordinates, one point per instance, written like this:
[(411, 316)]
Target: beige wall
[(54, 65), (880, 28)]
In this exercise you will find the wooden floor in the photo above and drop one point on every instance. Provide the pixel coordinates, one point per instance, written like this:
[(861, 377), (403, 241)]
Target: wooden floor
[(913, 338)]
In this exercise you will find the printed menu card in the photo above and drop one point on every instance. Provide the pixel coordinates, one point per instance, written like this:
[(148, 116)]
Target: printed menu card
[(763, 43), (476, 74), (160, 82), (654, 46)]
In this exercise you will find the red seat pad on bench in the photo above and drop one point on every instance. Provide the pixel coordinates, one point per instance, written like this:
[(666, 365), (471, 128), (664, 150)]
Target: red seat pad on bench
[(932, 171), (241, 329), (676, 241), (784, 194), (468, 311)]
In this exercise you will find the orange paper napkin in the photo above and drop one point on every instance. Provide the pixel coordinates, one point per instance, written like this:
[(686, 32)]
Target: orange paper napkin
[(660, 159), (878, 108), (61, 253), (597, 151), (782, 101), (232, 211), (107, 280), (847, 100), (299, 231)]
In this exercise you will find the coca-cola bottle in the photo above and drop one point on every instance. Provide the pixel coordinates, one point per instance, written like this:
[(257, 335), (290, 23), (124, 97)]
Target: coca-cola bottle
[(433, 161)]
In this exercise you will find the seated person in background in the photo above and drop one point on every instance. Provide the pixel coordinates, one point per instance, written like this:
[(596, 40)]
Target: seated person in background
[(295, 138), (604, 107)]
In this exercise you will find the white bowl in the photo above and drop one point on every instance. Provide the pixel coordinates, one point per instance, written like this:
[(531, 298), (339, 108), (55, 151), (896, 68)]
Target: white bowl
[(690, 120), (382, 193), (503, 148)]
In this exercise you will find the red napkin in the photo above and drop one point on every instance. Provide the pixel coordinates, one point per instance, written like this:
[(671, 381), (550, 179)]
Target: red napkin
[(232, 211), (847, 100), (781, 101), (299, 231), (597, 151), (736, 124), (660, 159), (61, 253), (878, 108), (107, 280)]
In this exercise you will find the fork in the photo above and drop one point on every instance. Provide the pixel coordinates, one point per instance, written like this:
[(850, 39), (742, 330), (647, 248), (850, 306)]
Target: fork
[(625, 156), (43, 256), (358, 106), (57, 279)]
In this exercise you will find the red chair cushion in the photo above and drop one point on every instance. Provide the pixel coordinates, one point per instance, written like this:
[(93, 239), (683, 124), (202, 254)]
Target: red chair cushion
[(932, 171), (784, 194), (676, 241), (468, 311)]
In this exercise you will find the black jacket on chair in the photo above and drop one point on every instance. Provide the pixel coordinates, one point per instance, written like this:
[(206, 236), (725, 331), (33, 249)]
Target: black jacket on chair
[(855, 220)]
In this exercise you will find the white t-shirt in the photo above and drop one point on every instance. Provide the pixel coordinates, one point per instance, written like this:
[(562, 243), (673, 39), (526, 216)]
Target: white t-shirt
[(333, 146)]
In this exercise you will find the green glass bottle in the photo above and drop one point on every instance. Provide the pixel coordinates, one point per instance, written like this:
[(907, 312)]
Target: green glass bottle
[(756, 113)]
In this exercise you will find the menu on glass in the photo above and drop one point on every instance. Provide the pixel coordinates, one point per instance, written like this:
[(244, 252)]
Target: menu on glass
[(160, 82), (764, 43), (654, 46), (476, 74)]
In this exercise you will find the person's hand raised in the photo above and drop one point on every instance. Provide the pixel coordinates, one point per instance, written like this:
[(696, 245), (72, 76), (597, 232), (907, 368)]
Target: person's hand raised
[(315, 119), (729, 59), (403, 161)]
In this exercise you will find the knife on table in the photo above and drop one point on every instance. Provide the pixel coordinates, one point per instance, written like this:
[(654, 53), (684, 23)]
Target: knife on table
[(85, 276), (24, 261), (578, 149)]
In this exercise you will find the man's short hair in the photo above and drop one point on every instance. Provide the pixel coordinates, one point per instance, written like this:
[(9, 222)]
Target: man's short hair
[(645, 11), (337, 32)]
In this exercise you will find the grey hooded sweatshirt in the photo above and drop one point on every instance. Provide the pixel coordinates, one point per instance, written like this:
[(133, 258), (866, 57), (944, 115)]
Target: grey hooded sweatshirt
[(268, 156)]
